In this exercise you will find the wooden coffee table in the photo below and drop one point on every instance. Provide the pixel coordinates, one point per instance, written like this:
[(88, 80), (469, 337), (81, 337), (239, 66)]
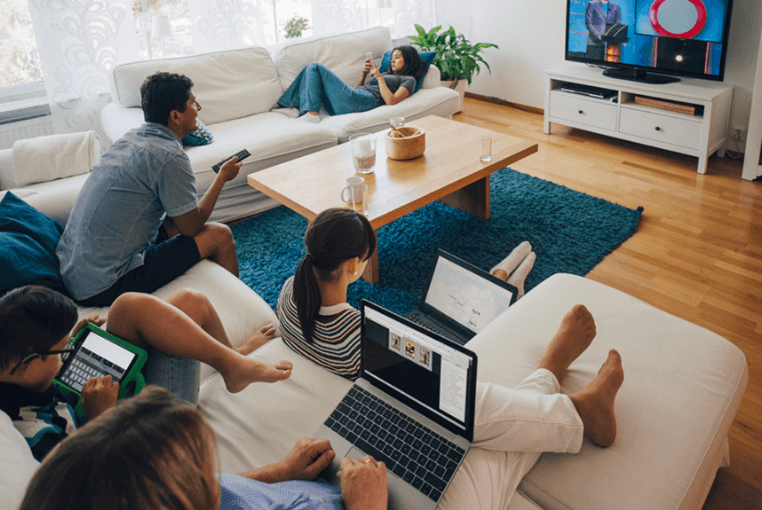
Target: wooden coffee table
[(449, 171)]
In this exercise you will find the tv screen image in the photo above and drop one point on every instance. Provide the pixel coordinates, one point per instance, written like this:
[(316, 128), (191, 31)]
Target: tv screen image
[(668, 37)]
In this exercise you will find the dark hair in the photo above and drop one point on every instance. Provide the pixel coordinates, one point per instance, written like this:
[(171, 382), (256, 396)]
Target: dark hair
[(149, 452), (414, 65), (33, 319), (334, 236), (163, 92)]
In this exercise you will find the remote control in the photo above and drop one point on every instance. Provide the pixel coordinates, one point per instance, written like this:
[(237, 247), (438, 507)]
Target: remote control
[(240, 155)]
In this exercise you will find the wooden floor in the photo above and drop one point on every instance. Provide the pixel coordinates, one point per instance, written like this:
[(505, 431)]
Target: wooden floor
[(697, 252)]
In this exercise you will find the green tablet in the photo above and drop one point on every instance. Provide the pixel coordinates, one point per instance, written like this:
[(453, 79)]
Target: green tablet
[(98, 353)]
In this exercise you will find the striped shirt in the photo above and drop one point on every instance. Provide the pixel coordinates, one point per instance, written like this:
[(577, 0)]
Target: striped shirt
[(335, 342), (43, 418)]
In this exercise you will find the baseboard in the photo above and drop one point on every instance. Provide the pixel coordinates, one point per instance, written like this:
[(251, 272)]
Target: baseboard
[(503, 102)]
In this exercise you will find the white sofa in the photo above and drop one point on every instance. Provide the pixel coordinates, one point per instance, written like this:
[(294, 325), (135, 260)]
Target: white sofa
[(683, 386), (238, 91)]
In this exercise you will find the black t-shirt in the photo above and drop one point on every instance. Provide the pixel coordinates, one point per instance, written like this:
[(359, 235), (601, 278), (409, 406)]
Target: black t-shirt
[(394, 82)]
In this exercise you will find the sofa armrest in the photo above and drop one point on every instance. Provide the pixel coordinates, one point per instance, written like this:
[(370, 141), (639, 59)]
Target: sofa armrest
[(432, 79), (117, 120)]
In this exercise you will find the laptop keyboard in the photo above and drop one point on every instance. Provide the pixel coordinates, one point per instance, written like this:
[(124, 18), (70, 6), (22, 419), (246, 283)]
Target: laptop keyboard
[(413, 452), (420, 319)]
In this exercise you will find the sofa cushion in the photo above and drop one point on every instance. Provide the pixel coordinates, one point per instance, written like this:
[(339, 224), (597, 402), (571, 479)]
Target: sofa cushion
[(228, 84), (28, 242), (440, 101), (343, 54), (201, 136), (426, 56), (682, 388), (17, 465)]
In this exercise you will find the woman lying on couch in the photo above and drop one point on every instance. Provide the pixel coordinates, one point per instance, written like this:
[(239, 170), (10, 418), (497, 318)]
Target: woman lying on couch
[(317, 85)]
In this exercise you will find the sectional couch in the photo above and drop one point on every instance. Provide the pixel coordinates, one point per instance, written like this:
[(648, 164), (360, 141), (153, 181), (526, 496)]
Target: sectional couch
[(683, 386)]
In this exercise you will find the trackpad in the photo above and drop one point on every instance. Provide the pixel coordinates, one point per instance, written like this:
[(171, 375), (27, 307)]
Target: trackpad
[(353, 454)]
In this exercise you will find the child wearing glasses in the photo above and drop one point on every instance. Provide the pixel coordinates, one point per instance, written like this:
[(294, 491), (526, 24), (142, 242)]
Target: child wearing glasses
[(36, 324)]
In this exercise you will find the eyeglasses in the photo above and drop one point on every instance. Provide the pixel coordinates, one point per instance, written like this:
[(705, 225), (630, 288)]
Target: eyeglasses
[(65, 353)]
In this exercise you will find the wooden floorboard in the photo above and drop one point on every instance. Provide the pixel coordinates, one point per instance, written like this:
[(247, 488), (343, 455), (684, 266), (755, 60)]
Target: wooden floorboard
[(697, 252)]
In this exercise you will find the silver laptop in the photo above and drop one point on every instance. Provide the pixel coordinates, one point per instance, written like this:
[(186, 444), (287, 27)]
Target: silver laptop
[(412, 408), (460, 299)]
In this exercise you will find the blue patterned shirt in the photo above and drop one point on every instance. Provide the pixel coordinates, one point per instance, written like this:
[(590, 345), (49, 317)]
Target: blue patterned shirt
[(239, 493)]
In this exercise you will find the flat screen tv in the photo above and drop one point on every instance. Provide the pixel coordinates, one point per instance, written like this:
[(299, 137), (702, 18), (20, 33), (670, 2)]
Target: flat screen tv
[(650, 40)]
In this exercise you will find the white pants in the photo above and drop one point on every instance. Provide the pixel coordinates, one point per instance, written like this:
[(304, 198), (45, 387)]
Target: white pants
[(513, 428)]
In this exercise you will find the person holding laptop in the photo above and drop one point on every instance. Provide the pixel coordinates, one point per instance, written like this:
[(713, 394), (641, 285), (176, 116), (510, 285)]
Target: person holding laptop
[(316, 320), (138, 222)]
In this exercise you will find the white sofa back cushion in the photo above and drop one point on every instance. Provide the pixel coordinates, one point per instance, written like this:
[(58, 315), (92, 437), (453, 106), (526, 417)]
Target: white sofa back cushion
[(17, 465), (343, 54), (228, 84)]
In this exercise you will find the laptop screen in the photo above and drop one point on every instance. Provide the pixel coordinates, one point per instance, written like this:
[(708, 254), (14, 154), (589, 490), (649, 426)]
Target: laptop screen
[(467, 295), (432, 375)]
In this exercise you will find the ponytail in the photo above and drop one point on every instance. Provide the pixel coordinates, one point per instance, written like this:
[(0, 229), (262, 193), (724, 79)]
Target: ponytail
[(307, 296), (334, 236)]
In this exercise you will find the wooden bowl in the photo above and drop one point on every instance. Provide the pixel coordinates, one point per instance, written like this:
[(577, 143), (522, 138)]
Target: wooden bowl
[(410, 147)]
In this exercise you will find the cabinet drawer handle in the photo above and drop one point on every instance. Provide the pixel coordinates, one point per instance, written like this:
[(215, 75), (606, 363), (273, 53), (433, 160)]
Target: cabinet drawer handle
[(658, 128), (581, 112)]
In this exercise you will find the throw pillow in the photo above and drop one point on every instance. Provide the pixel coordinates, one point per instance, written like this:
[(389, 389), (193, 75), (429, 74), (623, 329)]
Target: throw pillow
[(426, 56), (28, 240), (201, 136)]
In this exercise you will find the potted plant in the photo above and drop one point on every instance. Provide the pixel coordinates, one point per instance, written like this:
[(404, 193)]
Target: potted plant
[(457, 58), (295, 26)]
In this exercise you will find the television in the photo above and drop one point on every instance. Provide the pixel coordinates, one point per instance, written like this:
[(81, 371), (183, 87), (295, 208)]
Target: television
[(654, 41)]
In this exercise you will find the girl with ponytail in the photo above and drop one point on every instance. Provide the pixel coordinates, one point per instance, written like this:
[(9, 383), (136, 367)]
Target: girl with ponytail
[(316, 320)]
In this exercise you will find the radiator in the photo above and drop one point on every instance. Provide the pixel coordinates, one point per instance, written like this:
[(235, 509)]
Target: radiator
[(13, 131)]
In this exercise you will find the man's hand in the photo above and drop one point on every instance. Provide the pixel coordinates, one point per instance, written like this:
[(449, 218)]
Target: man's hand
[(363, 484), (98, 396), (307, 459), (230, 169), (94, 318), (304, 462)]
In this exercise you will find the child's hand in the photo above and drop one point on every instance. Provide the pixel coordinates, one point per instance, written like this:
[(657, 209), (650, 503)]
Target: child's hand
[(98, 396), (94, 318)]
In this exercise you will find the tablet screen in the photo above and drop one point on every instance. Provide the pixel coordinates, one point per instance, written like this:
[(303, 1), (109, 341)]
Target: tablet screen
[(96, 356)]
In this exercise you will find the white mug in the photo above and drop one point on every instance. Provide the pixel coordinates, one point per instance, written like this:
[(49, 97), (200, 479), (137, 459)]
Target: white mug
[(355, 193)]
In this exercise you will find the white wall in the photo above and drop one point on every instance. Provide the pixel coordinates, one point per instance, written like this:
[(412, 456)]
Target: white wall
[(531, 37)]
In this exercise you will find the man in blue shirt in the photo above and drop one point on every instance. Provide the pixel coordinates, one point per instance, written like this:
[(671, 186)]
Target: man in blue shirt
[(138, 223), (598, 14)]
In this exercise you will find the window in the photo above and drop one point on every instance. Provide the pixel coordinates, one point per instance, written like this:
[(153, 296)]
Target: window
[(19, 59)]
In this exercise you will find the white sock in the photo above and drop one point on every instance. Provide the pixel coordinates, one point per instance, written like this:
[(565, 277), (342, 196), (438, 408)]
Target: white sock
[(308, 117), (512, 261), (519, 276)]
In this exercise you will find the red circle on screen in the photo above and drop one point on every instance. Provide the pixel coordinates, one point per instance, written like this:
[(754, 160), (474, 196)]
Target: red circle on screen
[(690, 34)]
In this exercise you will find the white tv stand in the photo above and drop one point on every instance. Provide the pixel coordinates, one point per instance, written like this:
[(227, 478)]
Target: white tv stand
[(696, 135)]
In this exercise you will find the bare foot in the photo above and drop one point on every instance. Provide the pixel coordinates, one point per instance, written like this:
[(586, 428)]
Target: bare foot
[(574, 335), (247, 370), (595, 404), (257, 340)]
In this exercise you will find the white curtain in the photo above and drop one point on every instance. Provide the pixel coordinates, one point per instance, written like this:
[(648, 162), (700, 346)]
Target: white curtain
[(80, 42), (228, 24)]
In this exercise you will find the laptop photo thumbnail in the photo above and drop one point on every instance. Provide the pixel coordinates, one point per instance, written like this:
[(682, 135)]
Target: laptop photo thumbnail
[(460, 299), (412, 408)]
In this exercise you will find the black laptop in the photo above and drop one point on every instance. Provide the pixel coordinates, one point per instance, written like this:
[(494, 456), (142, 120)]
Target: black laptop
[(412, 408), (460, 299)]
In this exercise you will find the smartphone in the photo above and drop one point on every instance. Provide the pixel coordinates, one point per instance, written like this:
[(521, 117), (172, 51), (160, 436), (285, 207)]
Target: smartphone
[(369, 56)]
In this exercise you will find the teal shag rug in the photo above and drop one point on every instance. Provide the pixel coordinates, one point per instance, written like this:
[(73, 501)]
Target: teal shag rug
[(571, 232)]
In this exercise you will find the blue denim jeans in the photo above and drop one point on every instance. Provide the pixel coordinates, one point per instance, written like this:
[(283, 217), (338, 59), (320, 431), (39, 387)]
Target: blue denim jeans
[(178, 374), (317, 84)]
